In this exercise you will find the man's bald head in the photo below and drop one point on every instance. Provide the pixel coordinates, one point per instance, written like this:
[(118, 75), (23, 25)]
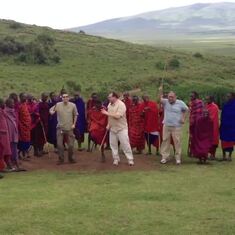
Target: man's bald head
[(172, 97)]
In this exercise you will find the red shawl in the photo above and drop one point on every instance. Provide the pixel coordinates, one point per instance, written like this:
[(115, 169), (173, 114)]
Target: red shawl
[(150, 112), (98, 123), (214, 115), (24, 123), (5, 148), (196, 108), (128, 103), (202, 137), (136, 127)]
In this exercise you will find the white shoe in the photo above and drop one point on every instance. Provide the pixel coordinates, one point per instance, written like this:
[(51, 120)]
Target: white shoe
[(131, 163), (115, 162), (163, 161), (178, 162)]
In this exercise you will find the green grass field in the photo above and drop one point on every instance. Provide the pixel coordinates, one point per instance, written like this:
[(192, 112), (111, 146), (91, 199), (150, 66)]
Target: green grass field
[(186, 199), (190, 199)]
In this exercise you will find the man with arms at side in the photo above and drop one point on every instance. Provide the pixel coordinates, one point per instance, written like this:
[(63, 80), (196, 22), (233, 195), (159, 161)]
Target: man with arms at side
[(67, 115), (174, 117), (213, 110), (227, 127)]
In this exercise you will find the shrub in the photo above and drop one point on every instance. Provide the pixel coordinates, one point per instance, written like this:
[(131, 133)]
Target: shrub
[(15, 25), (198, 55), (160, 65), (174, 63), (73, 86), (9, 46)]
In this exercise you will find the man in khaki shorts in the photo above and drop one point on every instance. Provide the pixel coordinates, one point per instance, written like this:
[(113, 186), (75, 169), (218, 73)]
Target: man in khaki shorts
[(67, 117), (174, 117), (117, 124)]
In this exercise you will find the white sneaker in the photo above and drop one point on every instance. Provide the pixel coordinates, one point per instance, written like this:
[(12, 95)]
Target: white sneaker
[(115, 162), (178, 162), (131, 163), (163, 161)]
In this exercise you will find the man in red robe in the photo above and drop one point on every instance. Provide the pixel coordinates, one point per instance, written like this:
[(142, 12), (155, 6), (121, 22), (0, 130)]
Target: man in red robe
[(41, 130), (24, 126), (202, 137), (213, 110), (150, 113), (127, 101), (97, 127), (32, 105), (91, 103), (196, 110), (5, 147), (136, 125)]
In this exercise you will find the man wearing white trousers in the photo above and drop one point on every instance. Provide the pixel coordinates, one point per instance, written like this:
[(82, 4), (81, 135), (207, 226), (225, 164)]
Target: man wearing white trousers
[(117, 125)]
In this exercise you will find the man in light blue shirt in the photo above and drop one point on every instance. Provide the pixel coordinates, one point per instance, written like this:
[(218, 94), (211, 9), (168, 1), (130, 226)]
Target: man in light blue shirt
[(174, 117)]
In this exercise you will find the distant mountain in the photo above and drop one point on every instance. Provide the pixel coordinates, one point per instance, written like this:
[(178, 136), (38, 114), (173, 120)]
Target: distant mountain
[(194, 20)]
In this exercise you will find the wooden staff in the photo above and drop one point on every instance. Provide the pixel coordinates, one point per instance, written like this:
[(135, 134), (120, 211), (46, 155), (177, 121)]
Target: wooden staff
[(103, 140), (45, 138)]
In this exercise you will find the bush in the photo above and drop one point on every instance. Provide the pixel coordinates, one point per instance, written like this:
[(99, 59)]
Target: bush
[(174, 63), (40, 51), (160, 65), (15, 25), (198, 55), (73, 86), (45, 39), (9, 46)]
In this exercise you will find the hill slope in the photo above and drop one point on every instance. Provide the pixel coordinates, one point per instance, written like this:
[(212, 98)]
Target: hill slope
[(191, 21), (100, 64)]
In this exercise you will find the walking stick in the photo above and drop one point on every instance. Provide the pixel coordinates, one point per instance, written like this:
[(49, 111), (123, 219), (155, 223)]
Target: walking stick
[(103, 140), (45, 138)]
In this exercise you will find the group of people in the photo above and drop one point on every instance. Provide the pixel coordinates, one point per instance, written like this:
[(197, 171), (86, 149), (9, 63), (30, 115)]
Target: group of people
[(126, 123)]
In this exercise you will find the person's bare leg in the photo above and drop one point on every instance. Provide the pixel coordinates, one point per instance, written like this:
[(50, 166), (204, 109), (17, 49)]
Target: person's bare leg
[(230, 156)]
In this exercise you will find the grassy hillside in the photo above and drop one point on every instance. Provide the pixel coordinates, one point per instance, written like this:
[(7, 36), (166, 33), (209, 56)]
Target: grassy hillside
[(100, 64)]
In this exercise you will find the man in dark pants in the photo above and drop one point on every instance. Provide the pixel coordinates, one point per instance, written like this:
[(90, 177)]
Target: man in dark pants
[(67, 115)]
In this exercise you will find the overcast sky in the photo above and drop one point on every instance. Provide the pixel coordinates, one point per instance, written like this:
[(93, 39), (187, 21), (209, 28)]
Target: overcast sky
[(62, 14)]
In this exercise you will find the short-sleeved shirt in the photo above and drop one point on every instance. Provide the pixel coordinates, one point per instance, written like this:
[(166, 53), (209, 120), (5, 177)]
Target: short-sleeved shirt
[(173, 112), (66, 113), (117, 124)]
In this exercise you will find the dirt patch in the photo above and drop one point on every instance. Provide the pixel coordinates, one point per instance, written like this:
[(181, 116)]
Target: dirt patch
[(91, 162)]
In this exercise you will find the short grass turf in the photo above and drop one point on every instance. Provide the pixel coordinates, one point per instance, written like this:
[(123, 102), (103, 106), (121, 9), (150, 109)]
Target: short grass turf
[(189, 199)]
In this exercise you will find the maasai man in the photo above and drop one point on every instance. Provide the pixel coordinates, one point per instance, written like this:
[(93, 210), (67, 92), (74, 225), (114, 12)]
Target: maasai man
[(136, 125), (196, 108), (11, 118), (14, 96), (35, 120), (227, 127), (97, 128), (127, 101), (92, 101), (151, 123), (42, 127), (24, 126), (213, 110), (80, 127), (5, 148), (90, 104), (52, 122), (202, 137)]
